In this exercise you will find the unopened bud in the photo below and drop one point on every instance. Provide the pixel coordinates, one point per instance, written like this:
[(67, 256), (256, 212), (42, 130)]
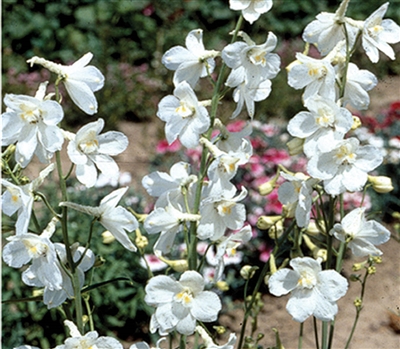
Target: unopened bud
[(267, 187), (358, 302), (247, 271), (108, 238), (219, 329), (295, 146), (222, 285), (358, 266), (141, 241), (371, 270), (266, 222), (99, 261), (377, 259), (276, 230), (381, 184), (356, 123), (179, 265), (313, 229), (321, 253)]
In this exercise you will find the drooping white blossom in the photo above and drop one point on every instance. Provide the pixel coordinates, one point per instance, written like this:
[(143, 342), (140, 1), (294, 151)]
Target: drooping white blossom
[(328, 30), (90, 340), (251, 9), (324, 124), (345, 167), (192, 62), (180, 303), (116, 219), (31, 122), (20, 199), (27, 247), (378, 33), (54, 298), (361, 235), (89, 150), (185, 117), (358, 83), (296, 194), (313, 291), (168, 220), (245, 94), (80, 79), (226, 249)]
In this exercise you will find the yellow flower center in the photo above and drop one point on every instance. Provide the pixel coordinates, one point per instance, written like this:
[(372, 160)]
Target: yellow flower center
[(185, 296), (325, 118), (184, 110), (30, 115), (307, 279), (317, 72), (257, 57), (35, 250), (345, 155), (90, 144)]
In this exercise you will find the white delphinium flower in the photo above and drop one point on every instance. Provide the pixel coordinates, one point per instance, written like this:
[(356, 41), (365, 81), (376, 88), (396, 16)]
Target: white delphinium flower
[(222, 169), (27, 247), (219, 213), (209, 343), (32, 123), (179, 304), (246, 94), (90, 340), (378, 33), (54, 298), (80, 79), (358, 82), (192, 62), (251, 9), (20, 199), (345, 167), (116, 219), (90, 149), (316, 75), (162, 185), (227, 249), (251, 63), (324, 124), (296, 194), (167, 220), (361, 235), (327, 30), (184, 116), (313, 291)]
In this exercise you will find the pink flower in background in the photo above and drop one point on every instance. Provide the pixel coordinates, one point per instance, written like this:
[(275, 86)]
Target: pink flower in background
[(163, 147)]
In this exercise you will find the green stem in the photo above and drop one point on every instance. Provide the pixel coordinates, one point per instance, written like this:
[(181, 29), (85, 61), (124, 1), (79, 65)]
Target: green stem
[(70, 260), (358, 310), (324, 338), (316, 332), (300, 345)]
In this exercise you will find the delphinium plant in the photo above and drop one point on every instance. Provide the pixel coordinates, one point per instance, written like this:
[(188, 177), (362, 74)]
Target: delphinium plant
[(200, 205)]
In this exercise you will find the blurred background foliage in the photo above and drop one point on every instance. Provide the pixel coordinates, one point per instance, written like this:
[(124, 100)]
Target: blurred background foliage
[(128, 39)]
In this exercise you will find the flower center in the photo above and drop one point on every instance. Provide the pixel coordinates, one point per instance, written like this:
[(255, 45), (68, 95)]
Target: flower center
[(375, 30), (307, 279), (225, 208), (89, 144), (184, 110), (185, 296), (35, 249), (257, 57), (325, 118), (32, 116), (345, 155), (316, 71)]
